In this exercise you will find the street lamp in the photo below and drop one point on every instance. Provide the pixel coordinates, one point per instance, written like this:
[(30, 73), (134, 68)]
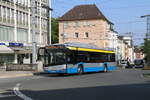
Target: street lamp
[(33, 29), (148, 37), (148, 26)]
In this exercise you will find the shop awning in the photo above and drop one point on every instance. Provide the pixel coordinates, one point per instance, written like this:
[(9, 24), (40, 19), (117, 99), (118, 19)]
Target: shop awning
[(21, 50), (5, 50)]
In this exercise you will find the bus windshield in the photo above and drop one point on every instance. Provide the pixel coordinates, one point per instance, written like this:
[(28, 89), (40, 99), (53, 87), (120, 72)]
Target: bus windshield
[(55, 57)]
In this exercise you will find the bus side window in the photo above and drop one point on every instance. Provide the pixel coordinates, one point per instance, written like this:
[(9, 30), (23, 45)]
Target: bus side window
[(71, 57), (82, 56), (95, 57), (111, 57)]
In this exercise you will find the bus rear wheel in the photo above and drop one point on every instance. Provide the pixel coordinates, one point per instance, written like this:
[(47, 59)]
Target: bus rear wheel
[(80, 70)]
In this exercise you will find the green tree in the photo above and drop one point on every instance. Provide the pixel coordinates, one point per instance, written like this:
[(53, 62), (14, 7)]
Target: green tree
[(146, 51), (54, 29)]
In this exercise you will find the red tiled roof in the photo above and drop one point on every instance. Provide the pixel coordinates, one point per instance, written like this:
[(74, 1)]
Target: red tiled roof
[(83, 12)]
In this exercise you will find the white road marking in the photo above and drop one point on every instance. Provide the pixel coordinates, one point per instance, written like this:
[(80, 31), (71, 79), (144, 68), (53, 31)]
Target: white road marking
[(3, 96), (19, 94)]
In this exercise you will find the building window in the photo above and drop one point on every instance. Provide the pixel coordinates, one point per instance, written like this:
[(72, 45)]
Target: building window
[(86, 34), (37, 37), (4, 14), (65, 25), (76, 35), (8, 15), (106, 44), (26, 19), (108, 26), (77, 24), (0, 13), (18, 17), (111, 27), (65, 35), (106, 34), (7, 58), (12, 16), (22, 18), (86, 23), (44, 38), (22, 35), (6, 33)]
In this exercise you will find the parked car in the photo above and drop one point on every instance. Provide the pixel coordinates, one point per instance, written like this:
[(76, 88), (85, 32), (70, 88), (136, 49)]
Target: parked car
[(139, 63), (123, 63), (126, 64)]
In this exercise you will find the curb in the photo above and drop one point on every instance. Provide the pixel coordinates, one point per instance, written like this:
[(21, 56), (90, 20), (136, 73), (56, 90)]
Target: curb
[(19, 75), (146, 75)]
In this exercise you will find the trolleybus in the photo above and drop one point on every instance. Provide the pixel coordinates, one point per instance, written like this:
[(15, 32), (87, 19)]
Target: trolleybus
[(76, 58)]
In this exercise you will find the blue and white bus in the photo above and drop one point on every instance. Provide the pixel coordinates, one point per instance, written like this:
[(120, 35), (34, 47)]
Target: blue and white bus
[(73, 59)]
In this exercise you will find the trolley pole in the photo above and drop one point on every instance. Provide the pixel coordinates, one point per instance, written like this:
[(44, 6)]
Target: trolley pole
[(33, 32)]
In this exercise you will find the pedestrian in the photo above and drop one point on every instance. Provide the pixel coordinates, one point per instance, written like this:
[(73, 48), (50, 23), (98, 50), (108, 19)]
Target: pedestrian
[(128, 64)]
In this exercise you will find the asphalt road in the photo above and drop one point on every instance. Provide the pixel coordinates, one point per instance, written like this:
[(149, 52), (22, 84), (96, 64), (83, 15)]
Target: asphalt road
[(123, 84)]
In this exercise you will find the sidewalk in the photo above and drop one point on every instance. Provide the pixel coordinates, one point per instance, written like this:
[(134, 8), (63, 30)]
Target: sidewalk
[(11, 74), (146, 73)]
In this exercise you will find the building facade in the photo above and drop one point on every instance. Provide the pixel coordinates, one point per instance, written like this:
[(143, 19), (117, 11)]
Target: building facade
[(85, 24), (16, 32), (113, 36), (130, 48), (125, 49)]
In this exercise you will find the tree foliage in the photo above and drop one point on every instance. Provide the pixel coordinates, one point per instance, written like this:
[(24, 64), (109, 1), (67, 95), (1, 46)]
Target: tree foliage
[(146, 51), (54, 29)]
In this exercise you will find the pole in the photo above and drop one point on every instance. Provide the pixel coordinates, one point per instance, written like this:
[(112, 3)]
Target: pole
[(50, 16), (148, 37), (48, 10), (48, 27), (148, 27), (33, 32)]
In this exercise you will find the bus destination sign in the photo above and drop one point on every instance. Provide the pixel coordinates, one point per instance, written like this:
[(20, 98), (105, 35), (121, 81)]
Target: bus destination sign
[(55, 47)]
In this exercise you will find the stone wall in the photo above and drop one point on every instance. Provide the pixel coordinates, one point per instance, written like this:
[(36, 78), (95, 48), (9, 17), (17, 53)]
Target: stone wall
[(22, 67)]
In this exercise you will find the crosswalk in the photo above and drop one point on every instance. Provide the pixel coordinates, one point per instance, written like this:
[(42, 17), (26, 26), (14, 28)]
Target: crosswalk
[(4, 94)]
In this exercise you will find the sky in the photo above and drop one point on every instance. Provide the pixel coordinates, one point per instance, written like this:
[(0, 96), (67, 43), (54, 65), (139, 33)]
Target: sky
[(125, 14)]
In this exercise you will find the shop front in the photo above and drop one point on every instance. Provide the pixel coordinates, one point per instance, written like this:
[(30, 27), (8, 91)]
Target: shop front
[(14, 53), (6, 55)]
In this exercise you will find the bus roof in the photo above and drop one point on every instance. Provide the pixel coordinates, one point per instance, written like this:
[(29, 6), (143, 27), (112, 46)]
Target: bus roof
[(90, 50), (83, 47)]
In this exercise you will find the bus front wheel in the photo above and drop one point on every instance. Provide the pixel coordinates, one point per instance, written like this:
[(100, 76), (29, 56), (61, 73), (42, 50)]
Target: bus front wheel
[(105, 68)]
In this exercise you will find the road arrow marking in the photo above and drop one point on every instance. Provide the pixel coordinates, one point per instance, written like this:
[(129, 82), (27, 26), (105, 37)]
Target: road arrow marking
[(19, 94)]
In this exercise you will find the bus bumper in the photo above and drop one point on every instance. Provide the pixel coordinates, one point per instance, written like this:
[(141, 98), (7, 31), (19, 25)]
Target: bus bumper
[(55, 71)]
